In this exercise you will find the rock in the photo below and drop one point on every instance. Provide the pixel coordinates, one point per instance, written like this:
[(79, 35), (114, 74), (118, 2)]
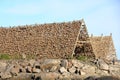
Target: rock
[(48, 64), (36, 65), (5, 75), (22, 70), (70, 64), (76, 77), (77, 71), (106, 72), (107, 78), (64, 63), (15, 70), (35, 70), (22, 76), (89, 69), (63, 70), (2, 66), (53, 69), (51, 61), (66, 75), (102, 72), (103, 65), (49, 76), (31, 62), (46, 68), (72, 70), (9, 67), (23, 64), (117, 62), (82, 72), (29, 69), (60, 77), (23, 56), (91, 78), (114, 70), (77, 63)]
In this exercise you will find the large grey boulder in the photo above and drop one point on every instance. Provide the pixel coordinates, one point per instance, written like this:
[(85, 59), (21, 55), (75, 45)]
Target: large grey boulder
[(102, 65), (64, 63), (48, 64)]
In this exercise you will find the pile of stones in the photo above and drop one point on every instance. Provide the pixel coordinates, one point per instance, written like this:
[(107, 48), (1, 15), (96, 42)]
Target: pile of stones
[(55, 69)]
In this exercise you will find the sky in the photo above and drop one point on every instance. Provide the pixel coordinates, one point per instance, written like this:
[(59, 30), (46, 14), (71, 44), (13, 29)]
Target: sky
[(100, 16)]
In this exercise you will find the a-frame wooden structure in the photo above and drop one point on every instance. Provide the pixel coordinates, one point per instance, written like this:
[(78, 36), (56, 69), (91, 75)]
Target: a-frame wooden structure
[(83, 46)]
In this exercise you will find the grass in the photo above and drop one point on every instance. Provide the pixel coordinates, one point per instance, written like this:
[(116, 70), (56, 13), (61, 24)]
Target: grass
[(17, 56), (4, 56), (70, 57), (82, 58), (30, 56)]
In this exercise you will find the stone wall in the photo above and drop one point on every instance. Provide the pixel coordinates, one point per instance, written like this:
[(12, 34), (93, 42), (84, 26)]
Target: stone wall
[(103, 47), (55, 40)]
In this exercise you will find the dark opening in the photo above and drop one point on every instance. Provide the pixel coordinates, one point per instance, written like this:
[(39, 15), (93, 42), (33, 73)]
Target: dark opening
[(84, 49)]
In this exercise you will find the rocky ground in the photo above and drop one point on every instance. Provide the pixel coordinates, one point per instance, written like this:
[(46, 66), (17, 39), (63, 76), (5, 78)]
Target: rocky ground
[(58, 69)]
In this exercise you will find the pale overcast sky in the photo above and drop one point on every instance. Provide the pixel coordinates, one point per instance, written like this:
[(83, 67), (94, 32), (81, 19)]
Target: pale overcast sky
[(101, 16)]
